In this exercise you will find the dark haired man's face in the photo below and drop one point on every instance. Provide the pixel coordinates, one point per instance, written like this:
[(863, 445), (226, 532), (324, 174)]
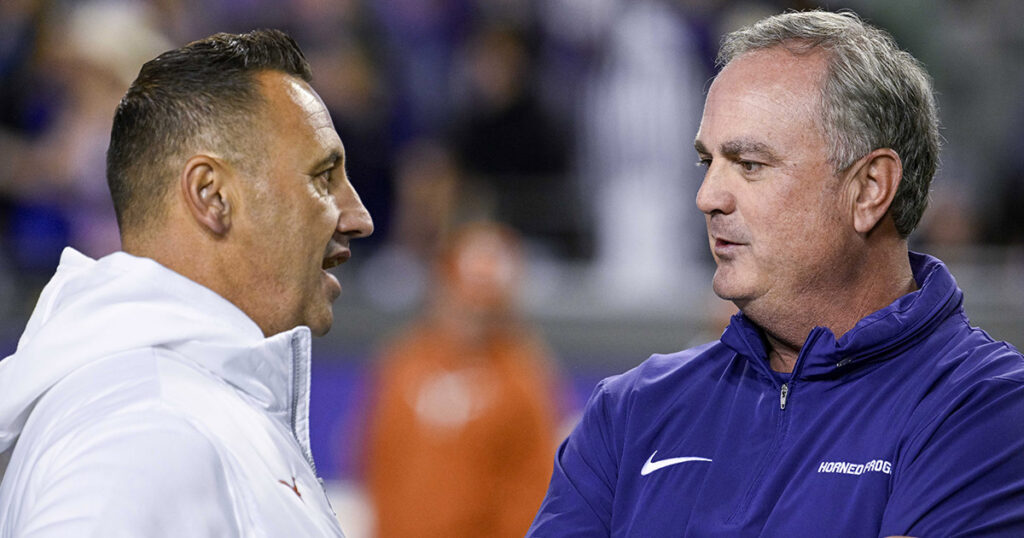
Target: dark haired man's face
[(301, 210)]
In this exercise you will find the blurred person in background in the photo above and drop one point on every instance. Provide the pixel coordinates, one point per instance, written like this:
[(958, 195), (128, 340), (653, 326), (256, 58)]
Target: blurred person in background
[(638, 107), (514, 155), (430, 196), (849, 396), (92, 66), (163, 390), (70, 77), (463, 422), (421, 39)]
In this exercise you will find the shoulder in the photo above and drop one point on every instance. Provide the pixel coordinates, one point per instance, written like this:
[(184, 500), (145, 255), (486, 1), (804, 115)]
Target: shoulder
[(960, 465), (974, 379), (664, 379), (123, 400), (664, 371), (951, 364), (1001, 357), (628, 406), (155, 442), (140, 378), (971, 357), (125, 470), (993, 363), (121, 404)]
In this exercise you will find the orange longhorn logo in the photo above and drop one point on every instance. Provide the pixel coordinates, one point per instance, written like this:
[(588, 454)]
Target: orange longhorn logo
[(294, 487)]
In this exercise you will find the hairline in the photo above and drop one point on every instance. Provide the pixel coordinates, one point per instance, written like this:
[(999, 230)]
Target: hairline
[(860, 58), (174, 111)]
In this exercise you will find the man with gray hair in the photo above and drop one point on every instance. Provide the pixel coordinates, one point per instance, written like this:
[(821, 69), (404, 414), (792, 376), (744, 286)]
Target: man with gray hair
[(849, 396)]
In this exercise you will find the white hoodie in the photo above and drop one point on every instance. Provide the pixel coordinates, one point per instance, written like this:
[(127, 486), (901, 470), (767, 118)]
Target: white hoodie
[(140, 403)]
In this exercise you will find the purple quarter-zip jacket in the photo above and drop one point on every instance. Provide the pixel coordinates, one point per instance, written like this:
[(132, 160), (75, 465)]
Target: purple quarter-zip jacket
[(912, 423)]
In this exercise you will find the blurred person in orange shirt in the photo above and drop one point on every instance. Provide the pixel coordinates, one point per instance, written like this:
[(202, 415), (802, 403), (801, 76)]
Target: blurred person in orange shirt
[(463, 424)]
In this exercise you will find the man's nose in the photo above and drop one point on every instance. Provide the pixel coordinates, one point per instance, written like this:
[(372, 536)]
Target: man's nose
[(714, 195), (354, 221)]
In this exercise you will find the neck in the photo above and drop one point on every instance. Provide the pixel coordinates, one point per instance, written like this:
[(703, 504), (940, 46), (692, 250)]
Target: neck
[(472, 327), (203, 261), (872, 285), (169, 255)]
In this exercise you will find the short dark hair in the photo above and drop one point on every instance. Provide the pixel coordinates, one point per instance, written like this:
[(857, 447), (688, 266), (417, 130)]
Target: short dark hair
[(874, 95), (203, 94)]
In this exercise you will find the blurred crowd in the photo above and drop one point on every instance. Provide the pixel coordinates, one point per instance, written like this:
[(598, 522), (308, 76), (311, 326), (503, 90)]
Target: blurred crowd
[(571, 121)]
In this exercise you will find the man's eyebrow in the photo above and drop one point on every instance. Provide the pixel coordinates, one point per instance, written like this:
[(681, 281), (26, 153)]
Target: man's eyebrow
[(699, 146), (737, 148), (329, 161)]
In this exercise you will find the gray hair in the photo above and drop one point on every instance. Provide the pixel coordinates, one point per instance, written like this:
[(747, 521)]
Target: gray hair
[(874, 95)]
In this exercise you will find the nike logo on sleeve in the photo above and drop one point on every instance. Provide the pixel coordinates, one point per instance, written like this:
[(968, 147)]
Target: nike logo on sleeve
[(650, 466)]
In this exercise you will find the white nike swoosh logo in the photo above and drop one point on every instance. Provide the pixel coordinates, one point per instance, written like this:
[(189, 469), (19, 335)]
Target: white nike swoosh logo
[(652, 465)]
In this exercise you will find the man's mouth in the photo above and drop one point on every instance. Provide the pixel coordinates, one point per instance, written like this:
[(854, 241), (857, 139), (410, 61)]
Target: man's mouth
[(724, 234), (336, 259)]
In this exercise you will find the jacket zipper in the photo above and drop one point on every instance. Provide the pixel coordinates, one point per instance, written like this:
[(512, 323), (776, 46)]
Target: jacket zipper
[(777, 444), (307, 454), (785, 389), (295, 408)]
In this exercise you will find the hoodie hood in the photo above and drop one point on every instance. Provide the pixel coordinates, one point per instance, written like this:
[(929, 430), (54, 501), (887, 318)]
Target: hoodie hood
[(92, 309)]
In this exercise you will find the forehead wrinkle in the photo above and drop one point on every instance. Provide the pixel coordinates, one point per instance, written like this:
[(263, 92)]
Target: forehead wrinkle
[(770, 84), (302, 95), (764, 111), (309, 103), (315, 114)]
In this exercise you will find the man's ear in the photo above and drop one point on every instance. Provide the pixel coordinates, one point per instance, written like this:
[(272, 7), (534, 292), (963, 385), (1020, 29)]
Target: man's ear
[(205, 187), (877, 175)]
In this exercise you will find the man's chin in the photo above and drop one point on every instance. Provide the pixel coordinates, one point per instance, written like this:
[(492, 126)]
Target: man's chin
[(321, 324), (730, 290)]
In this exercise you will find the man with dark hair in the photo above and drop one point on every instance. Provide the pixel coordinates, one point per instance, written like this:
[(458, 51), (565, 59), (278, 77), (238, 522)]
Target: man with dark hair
[(163, 390), (849, 396)]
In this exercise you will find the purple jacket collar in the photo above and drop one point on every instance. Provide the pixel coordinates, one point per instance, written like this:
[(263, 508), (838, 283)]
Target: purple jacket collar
[(878, 336)]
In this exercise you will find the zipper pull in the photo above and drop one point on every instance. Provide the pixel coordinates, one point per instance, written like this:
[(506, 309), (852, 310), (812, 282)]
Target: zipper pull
[(783, 394)]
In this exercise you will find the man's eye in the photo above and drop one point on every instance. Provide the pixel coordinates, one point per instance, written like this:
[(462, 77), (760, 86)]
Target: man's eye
[(704, 163), (749, 166)]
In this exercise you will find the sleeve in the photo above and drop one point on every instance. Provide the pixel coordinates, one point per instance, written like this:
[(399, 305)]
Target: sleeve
[(963, 473), (130, 474), (579, 497)]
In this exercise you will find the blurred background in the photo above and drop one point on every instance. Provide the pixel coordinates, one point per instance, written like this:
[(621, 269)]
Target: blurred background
[(570, 122)]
